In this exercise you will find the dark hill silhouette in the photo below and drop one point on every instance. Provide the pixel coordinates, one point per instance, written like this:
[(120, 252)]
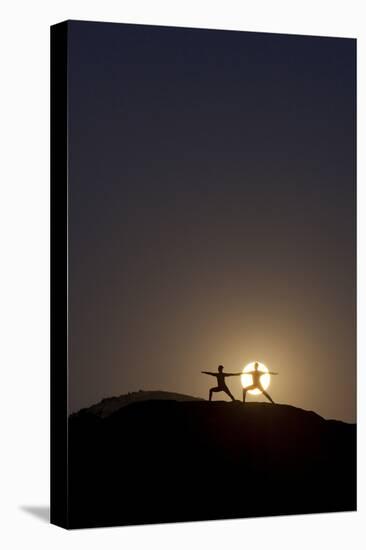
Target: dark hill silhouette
[(110, 405), (165, 460)]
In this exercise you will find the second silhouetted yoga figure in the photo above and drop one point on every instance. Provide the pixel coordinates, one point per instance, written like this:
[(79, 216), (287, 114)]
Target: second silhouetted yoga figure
[(256, 382)]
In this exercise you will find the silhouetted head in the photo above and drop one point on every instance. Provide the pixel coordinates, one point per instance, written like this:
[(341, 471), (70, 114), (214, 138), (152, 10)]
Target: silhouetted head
[(256, 365), (221, 368)]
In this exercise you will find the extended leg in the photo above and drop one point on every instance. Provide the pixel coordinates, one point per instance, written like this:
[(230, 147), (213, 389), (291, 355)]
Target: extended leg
[(268, 396), (245, 391), (211, 391), (228, 392)]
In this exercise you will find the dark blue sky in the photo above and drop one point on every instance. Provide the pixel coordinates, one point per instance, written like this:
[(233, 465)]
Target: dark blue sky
[(212, 212)]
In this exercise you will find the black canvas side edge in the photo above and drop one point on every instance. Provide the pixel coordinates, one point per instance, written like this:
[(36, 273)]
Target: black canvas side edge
[(356, 260), (59, 279)]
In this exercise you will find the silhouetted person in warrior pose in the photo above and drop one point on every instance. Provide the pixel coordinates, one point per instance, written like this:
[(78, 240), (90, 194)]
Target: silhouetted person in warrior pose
[(221, 385), (256, 384)]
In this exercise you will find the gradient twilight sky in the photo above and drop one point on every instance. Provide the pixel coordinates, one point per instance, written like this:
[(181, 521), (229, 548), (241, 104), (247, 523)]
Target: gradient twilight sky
[(211, 212)]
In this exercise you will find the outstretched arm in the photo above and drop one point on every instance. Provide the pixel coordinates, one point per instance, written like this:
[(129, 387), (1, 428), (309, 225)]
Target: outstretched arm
[(206, 372), (274, 373), (233, 374)]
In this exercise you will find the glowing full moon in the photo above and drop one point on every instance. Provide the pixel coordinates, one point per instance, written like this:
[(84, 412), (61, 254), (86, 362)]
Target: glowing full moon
[(247, 380)]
